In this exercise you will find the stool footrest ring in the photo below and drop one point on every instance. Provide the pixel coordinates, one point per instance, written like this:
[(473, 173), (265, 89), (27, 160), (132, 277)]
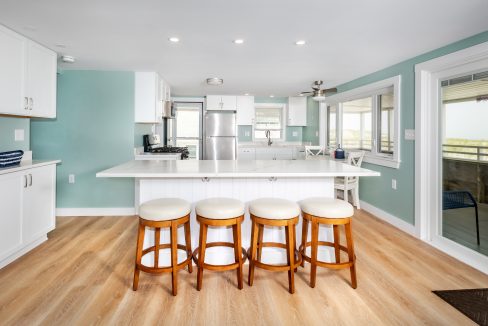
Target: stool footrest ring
[(323, 263), (165, 269), (213, 267), (273, 267)]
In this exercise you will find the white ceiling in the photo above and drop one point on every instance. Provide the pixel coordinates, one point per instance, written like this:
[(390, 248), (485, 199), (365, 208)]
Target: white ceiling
[(345, 39)]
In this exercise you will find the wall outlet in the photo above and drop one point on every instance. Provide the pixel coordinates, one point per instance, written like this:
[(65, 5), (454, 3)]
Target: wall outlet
[(316, 134), (393, 184), (19, 134), (247, 134), (409, 134), (71, 178), (295, 134)]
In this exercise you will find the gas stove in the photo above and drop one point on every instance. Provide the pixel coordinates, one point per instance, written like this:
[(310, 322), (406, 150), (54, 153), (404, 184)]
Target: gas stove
[(170, 149)]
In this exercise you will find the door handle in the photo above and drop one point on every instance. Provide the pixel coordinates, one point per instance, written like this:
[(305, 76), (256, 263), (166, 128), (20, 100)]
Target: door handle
[(31, 103), (26, 103), (30, 180), (25, 181)]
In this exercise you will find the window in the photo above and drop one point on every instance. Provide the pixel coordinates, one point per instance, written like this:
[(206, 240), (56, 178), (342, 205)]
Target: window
[(268, 117), (368, 119)]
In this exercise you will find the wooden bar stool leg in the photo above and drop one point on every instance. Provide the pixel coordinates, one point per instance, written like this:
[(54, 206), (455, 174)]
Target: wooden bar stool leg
[(294, 244), (304, 238), (238, 252), (157, 241), (350, 252), (174, 256), (139, 248), (254, 242), (201, 254), (313, 258), (260, 241), (188, 244), (337, 241), (290, 257)]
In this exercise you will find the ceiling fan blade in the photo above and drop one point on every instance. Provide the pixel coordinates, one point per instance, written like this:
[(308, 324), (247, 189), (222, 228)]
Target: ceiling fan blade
[(306, 92), (330, 90)]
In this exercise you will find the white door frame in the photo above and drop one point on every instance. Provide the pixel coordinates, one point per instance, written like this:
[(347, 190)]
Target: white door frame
[(428, 165)]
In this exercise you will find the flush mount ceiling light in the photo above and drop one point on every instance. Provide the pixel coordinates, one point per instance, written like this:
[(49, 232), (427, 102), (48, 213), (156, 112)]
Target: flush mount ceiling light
[(238, 41), (215, 81), (68, 59), (300, 42), (174, 39)]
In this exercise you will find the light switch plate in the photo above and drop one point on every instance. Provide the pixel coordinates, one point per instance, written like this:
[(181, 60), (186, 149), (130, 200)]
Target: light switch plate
[(71, 178), (409, 134), (19, 134), (316, 134)]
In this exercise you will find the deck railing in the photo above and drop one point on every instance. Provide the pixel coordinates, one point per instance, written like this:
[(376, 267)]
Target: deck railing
[(466, 152)]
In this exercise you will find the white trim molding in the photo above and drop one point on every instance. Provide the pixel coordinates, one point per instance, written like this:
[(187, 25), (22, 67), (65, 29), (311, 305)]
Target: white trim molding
[(96, 211), (389, 218), (428, 164)]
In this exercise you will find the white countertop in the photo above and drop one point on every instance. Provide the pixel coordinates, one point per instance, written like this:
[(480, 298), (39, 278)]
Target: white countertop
[(24, 165), (234, 169)]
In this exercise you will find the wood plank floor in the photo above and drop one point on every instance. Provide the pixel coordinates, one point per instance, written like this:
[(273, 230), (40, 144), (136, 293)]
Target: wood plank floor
[(83, 276)]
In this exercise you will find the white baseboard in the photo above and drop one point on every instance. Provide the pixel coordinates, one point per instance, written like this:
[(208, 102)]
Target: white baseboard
[(389, 218), (96, 211)]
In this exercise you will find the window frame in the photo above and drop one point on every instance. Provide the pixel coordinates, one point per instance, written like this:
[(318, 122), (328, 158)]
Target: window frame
[(372, 90), (282, 107)]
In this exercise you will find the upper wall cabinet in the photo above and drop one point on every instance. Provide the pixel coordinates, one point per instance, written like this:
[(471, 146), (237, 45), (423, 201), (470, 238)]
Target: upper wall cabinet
[(245, 110), (222, 102), (150, 92), (297, 111), (28, 77)]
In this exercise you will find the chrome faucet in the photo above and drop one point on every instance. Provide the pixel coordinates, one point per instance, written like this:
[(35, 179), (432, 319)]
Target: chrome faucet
[(267, 133)]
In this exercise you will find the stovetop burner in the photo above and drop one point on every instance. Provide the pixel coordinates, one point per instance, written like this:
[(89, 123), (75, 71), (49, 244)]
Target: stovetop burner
[(170, 149)]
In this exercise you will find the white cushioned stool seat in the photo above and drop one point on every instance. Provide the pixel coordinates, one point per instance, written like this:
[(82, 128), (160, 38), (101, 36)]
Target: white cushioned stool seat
[(220, 208), (164, 209), (327, 207), (274, 208)]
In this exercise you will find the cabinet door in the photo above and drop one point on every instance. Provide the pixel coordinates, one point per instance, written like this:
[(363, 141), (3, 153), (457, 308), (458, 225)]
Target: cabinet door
[(41, 81), (39, 202), (12, 74), (229, 102), (246, 154), (265, 153), (297, 111), (145, 97), (283, 153), (245, 110), (214, 102), (11, 212)]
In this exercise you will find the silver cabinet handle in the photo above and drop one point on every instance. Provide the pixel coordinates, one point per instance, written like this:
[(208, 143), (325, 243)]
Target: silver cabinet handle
[(25, 181), (30, 180), (31, 103), (26, 103)]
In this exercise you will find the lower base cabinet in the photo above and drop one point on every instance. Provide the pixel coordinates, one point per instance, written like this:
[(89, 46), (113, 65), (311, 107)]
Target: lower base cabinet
[(27, 209)]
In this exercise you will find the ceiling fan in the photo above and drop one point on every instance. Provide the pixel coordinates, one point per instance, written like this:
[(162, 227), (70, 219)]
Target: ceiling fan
[(318, 94)]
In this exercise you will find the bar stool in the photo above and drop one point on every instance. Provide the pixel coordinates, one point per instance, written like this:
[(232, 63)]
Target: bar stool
[(328, 211), (157, 214), (220, 212), (274, 212)]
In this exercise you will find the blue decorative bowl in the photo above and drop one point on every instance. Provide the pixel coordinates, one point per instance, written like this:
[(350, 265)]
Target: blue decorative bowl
[(10, 158)]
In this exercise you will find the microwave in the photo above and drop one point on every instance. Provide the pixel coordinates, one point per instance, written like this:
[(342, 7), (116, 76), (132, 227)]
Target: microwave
[(168, 110)]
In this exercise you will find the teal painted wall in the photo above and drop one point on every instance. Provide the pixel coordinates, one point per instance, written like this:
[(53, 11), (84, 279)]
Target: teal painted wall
[(310, 132), (94, 130), (7, 138), (377, 191), (139, 130)]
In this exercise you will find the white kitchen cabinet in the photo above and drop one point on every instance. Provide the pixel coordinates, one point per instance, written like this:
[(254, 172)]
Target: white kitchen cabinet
[(28, 78), (38, 202), (274, 153), (297, 111), (245, 110), (10, 217), (27, 202), (148, 97), (246, 154), (221, 102)]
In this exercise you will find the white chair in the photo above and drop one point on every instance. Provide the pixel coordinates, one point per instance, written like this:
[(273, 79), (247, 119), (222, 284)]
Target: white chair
[(314, 151), (347, 184)]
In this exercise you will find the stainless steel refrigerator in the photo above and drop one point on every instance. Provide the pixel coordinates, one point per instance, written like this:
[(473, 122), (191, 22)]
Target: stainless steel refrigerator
[(220, 135)]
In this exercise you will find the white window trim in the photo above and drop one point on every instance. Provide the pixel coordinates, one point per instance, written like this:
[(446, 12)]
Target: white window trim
[(283, 107), (366, 91), (428, 166)]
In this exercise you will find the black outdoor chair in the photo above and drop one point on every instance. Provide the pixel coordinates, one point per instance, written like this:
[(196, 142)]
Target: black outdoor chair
[(461, 199)]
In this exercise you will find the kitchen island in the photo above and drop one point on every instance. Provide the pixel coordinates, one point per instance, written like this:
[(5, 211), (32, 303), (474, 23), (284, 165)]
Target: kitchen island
[(244, 180)]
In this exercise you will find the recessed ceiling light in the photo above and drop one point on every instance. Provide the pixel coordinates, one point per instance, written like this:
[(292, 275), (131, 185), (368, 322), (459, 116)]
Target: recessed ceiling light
[(174, 39), (300, 42), (271, 96), (246, 94), (301, 94), (215, 81), (238, 41)]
